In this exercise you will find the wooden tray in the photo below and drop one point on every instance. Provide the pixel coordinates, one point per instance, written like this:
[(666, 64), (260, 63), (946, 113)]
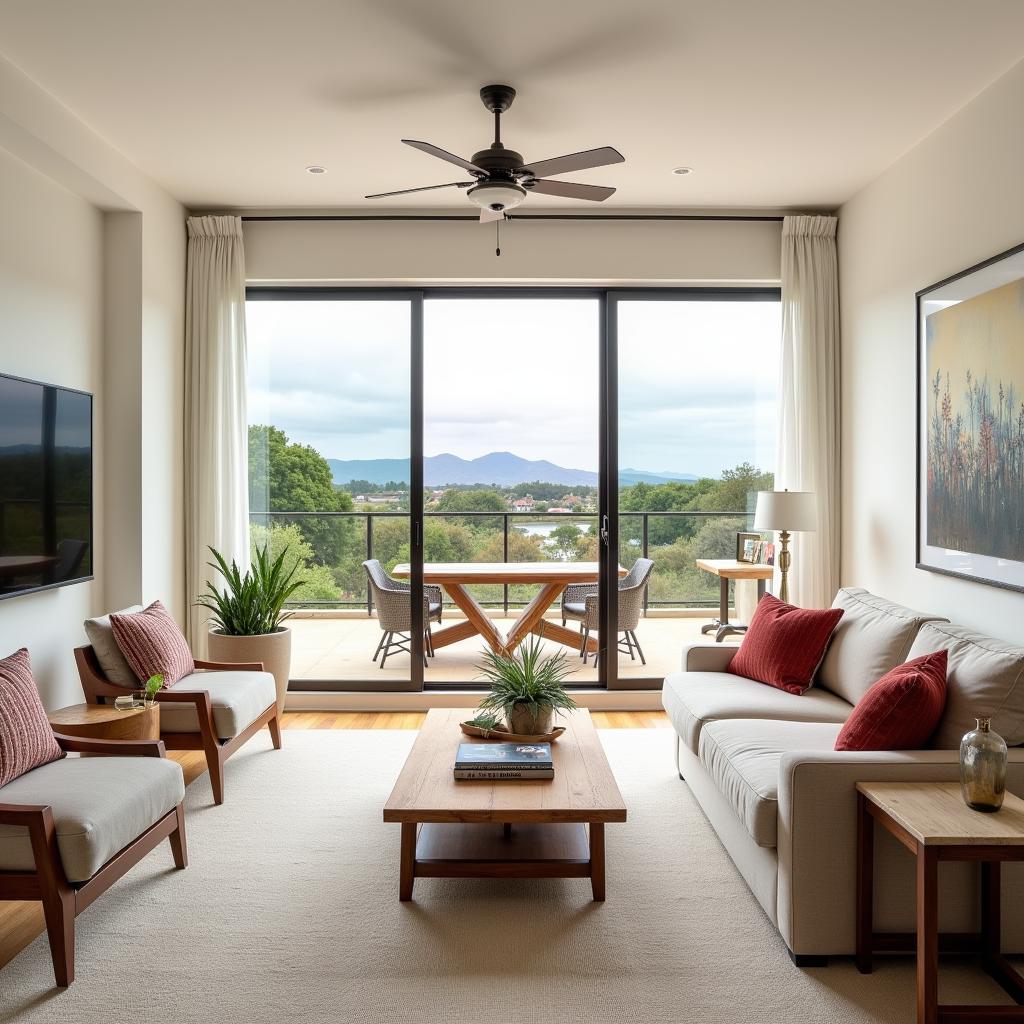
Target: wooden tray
[(501, 733)]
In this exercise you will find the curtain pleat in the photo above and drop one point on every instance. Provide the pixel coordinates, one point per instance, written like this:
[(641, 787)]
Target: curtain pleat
[(216, 428), (808, 428)]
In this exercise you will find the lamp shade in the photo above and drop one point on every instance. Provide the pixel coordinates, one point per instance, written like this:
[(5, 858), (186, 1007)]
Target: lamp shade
[(786, 510)]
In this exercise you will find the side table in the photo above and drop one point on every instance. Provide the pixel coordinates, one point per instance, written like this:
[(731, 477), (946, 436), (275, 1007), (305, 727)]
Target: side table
[(729, 569), (105, 722), (932, 821)]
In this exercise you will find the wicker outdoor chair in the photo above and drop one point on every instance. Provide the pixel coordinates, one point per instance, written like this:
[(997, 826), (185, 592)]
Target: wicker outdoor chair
[(580, 600), (394, 612)]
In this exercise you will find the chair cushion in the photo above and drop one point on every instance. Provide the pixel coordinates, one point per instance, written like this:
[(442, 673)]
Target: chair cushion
[(238, 698), (152, 644), (100, 805), (695, 698), (108, 654), (742, 757), (574, 609), (901, 711), (873, 636), (784, 644), (434, 610), (26, 739), (984, 677)]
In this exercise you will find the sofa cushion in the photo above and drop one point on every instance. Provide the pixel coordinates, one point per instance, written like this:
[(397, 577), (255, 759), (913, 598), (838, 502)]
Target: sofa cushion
[(784, 644), (984, 677), (238, 698), (873, 636), (902, 710), (694, 698), (742, 757), (26, 739), (108, 654), (152, 644), (100, 805)]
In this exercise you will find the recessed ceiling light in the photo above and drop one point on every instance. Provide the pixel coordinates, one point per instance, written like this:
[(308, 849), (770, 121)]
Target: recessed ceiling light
[(316, 169), (682, 170)]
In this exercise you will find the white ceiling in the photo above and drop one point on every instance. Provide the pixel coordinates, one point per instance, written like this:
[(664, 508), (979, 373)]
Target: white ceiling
[(775, 103)]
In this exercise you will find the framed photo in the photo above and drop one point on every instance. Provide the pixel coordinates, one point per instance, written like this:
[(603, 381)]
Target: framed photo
[(746, 547), (970, 423)]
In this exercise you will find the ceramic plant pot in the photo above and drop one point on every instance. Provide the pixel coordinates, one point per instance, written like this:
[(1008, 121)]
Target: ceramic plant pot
[(521, 720), (273, 649)]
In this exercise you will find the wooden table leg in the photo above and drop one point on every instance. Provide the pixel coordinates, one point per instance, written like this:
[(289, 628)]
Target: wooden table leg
[(597, 859), (407, 864), (476, 616), (533, 614), (865, 884), (927, 936)]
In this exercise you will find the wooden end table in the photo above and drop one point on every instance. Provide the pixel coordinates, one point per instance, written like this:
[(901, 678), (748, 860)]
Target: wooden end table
[(480, 829), (729, 569), (932, 821), (105, 722)]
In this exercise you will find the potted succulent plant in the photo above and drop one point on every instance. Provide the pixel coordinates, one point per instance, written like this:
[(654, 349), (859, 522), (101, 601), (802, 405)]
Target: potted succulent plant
[(526, 687), (248, 614)]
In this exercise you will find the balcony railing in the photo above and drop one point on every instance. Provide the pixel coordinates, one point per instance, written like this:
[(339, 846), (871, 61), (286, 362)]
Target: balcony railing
[(677, 583)]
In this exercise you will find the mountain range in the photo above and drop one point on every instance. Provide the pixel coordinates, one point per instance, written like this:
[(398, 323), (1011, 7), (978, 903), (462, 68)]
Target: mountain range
[(500, 468)]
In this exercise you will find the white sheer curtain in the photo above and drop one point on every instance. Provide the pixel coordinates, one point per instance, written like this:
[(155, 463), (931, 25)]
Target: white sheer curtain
[(216, 429), (808, 439)]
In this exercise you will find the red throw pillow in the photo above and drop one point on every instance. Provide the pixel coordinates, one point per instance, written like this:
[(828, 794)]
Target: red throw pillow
[(26, 739), (901, 710), (152, 644), (784, 644)]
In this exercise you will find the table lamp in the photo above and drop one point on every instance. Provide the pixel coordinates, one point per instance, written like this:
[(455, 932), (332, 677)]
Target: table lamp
[(785, 511)]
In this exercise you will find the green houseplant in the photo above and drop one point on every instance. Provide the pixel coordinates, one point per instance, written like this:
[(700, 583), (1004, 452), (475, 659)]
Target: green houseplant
[(247, 615), (526, 686)]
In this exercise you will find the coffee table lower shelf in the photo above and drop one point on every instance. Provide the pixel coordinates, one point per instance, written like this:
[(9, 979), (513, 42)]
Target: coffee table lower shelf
[(522, 850)]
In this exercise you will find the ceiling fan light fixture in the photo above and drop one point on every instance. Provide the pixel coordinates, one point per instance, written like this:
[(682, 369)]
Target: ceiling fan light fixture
[(497, 196)]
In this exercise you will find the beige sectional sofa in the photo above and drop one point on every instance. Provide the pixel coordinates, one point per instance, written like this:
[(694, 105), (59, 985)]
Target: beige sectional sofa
[(762, 764)]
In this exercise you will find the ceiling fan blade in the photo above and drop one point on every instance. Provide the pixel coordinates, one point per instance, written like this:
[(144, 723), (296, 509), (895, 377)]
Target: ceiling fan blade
[(575, 162), (443, 154), (424, 188), (571, 190), (486, 216)]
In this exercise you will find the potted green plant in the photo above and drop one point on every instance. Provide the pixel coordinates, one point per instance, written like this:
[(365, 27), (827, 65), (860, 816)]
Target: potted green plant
[(526, 687), (248, 614)]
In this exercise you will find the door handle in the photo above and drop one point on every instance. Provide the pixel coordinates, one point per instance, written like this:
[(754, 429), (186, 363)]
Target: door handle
[(604, 530)]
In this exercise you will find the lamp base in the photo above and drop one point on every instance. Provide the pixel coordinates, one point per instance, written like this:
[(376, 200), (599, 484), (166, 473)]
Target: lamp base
[(785, 560)]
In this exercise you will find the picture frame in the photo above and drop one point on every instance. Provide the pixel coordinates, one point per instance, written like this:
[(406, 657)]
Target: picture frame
[(970, 421), (746, 547)]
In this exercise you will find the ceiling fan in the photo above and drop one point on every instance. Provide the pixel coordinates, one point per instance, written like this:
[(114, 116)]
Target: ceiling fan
[(501, 179)]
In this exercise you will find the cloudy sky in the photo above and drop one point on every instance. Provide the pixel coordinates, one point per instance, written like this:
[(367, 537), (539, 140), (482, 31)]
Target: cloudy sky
[(697, 379)]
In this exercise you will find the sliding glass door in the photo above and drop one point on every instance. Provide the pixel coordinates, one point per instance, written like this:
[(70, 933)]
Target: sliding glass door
[(453, 471)]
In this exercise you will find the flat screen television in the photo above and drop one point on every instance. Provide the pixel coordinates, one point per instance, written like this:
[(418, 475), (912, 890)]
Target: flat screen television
[(45, 486)]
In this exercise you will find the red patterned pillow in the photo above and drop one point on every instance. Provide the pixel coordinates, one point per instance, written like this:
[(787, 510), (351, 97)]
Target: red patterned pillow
[(784, 644), (901, 710), (152, 644), (26, 739)]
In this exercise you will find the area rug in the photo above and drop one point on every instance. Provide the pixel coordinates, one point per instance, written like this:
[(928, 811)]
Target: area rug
[(289, 911)]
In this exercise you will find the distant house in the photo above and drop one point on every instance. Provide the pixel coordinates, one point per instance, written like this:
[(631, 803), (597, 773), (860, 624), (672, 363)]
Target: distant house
[(361, 498), (571, 500), (559, 509), (436, 495), (385, 498), (523, 504)]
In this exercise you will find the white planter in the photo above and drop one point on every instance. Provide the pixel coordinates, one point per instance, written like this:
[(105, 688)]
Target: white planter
[(274, 650)]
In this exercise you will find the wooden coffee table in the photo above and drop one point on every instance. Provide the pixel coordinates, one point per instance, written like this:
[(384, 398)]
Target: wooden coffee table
[(542, 829)]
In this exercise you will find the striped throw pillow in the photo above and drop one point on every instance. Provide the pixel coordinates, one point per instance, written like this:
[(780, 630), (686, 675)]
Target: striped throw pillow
[(152, 644), (26, 739)]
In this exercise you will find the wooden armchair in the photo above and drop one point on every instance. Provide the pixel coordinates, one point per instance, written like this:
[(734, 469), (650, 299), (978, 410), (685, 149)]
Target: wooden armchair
[(58, 870), (217, 722)]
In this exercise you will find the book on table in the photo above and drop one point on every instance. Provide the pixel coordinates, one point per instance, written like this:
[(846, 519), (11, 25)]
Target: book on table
[(504, 761)]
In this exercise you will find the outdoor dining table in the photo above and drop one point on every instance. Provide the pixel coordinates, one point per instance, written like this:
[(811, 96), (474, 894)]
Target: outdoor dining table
[(553, 578)]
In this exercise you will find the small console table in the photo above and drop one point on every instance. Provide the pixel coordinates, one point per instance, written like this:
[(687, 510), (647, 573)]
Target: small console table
[(932, 821), (729, 569)]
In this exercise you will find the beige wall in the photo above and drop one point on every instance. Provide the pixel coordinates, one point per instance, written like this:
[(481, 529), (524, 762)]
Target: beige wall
[(92, 272), (954, 200), (541, 252)]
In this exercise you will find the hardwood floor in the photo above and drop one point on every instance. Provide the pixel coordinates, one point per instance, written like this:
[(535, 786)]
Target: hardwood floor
[(20, 923)]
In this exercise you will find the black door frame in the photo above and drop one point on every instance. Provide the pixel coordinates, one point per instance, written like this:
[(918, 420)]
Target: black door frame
[(609, 300)]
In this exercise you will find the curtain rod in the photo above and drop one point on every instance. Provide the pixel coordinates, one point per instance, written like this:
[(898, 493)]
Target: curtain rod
[(516, 216)]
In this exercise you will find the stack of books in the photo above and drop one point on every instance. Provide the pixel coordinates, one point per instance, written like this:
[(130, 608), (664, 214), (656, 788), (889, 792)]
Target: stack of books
[(504, 761)]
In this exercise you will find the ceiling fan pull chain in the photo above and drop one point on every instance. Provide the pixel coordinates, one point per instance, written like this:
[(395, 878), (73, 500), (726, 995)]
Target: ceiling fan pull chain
[(497, 238)]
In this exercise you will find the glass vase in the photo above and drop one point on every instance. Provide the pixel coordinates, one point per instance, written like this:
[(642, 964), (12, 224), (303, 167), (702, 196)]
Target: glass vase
[(983, 767)]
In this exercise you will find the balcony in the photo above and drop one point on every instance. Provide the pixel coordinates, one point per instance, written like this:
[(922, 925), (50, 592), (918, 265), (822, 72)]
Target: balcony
[(335, 636)]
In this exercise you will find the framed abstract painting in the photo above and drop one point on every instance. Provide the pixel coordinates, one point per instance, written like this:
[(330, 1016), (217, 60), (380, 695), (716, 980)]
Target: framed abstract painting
[(970, 423)]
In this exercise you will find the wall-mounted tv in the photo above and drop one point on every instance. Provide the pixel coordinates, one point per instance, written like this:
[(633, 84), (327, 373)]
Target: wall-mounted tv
[(45, 486)]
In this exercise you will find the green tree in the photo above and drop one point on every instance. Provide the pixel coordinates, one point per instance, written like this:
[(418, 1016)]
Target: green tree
[(565, 540), (478, 500), (318, 583)]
